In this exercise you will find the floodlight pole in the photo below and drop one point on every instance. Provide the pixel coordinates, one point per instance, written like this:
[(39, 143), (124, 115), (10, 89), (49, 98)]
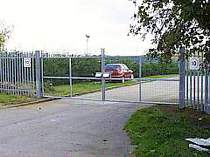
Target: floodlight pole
[(87, 46), (87, 40)]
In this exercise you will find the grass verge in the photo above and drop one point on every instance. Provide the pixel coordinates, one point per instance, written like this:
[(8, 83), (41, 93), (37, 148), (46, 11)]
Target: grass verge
[(6, 99), (162, 76), (84, 88), (160, 131)]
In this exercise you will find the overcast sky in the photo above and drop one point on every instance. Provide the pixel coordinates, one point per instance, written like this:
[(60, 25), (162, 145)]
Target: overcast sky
[(62, 24)]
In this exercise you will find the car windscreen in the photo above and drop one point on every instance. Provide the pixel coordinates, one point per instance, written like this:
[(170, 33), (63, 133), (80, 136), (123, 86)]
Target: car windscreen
[(112, 67)]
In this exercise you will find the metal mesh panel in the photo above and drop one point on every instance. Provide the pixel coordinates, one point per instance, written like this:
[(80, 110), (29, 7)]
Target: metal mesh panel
[(160, 90), (71, 76)]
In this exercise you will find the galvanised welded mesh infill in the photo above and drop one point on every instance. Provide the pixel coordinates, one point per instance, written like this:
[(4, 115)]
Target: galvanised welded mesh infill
[(152, 81), (112, 78), (160, 90), (71, 76), (160, 80)]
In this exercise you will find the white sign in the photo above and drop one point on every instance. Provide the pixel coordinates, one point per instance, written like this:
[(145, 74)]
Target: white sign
[(98, 74), (194, 63), (27, 62), (106, 75)]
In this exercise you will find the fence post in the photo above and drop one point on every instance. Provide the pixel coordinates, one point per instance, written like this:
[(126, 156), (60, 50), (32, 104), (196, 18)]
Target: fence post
[(140, 75), (39, 82), (70, 75), (103, 89), (207, 90), (181, 78)]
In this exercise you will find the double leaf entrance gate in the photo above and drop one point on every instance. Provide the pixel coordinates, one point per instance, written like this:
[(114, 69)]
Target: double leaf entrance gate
[(76, 77), (57, 75)]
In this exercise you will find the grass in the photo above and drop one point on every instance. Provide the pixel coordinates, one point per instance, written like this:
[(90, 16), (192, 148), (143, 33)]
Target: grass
[(160, 131), (162, 76), (6, 99), (84, 88)]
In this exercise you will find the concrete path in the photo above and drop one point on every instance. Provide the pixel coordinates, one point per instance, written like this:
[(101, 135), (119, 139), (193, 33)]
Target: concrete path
[(166, 91), (66, 128)]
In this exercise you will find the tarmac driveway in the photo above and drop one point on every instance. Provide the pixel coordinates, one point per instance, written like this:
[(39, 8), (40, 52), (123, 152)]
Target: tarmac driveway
[(164, 90), (66, 128)]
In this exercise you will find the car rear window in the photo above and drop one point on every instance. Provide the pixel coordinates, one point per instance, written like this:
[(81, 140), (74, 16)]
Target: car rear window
[(112, 67), (125, 67)]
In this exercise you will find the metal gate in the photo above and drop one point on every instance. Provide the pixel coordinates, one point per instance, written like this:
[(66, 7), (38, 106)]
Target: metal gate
[(152, 84), (77, 78), (85, 77), (64, 83)]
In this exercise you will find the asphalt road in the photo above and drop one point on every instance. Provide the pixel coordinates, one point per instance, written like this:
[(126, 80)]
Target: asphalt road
[(66, 128)]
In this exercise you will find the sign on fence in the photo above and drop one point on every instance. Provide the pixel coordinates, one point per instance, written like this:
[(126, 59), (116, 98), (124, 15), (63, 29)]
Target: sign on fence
[(27, 62), (194, 63)]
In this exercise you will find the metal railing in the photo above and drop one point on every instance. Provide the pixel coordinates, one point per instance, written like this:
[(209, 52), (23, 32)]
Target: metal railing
[(197, 84), (17, 73)]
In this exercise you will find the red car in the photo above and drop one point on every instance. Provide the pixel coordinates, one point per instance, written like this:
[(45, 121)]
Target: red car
[(119, 71)]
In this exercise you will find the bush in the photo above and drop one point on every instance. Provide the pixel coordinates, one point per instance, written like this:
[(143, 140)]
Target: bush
[(48, 86), (87, 67)]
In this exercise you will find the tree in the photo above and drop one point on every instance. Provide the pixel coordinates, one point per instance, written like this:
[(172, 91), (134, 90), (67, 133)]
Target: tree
[(4, 35), (173, 23)]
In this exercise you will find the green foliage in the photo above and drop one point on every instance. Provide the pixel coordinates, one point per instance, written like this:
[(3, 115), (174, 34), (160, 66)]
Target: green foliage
[(80, 67), (150, 69), (173, 23), (82, 87), (161, 133), (2, 41), (88, 67), (56, 67), (85, 67), (48, 86), (6, 99), (4, 34)]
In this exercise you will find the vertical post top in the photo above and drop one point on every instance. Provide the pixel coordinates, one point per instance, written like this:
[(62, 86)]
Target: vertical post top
[(181, 53), (102, 60), (38, 53), (182, 49), (103, 50)]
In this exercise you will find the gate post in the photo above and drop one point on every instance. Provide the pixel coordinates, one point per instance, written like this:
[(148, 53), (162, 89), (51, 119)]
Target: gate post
[(70, 76), (206, 102), (181, 78), (38, 71), (103, 71)]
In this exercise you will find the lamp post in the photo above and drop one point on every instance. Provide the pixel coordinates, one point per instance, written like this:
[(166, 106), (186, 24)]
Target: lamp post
[(87, 40)]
